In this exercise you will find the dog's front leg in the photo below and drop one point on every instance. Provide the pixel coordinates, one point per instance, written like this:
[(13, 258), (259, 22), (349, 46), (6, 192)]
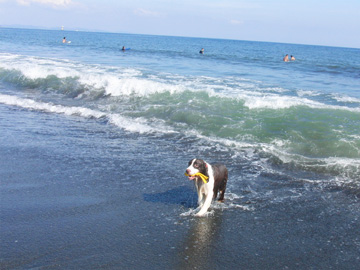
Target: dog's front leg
[(206, 204), (200, 199), (199, 190)]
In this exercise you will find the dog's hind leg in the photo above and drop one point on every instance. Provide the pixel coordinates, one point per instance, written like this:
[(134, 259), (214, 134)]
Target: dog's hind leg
[(221, 197), (222, 191), (216, 191)]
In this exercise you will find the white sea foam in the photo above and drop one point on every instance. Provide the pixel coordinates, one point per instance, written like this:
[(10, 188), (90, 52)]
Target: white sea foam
[(129, 124), (116, 81), (139, 125), (275, 102), (345, 166), (342, 162), (37, 68), (344, 98), (140, 86), (280, 143), (221, 141), (278, 148), (355, 136), (190, 212), (48, 107), (302, 93), (284, 102), (221, 206), (256, 96)]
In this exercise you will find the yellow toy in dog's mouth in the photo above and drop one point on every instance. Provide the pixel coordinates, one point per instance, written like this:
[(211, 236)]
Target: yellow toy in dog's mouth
[(203, 177)]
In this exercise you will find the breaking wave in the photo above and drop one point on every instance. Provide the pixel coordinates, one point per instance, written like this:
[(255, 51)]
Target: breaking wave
[(304, 129)]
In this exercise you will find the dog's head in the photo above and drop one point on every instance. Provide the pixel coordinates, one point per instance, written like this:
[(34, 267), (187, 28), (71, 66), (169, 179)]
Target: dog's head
[(196, 166)]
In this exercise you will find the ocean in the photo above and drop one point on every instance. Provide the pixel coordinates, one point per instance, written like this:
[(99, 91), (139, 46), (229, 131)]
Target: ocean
[(95, 142)]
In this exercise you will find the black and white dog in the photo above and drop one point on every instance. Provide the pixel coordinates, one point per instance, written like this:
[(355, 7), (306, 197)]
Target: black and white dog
[(209, 180)]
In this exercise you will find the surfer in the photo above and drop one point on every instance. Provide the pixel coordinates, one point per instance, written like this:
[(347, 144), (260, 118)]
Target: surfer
[(64, 40), (123, 48), (286, 58), (202, 51), (292, 58)]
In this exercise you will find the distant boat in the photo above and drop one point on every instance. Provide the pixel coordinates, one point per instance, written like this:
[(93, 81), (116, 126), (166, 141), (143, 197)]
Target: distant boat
[(62, 28)]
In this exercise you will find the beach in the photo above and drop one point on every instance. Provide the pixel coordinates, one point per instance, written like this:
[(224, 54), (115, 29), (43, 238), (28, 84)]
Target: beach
[(124, 212), (93, 152)]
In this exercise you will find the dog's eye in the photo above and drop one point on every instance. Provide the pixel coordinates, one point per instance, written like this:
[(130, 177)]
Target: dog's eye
[(196, 165)]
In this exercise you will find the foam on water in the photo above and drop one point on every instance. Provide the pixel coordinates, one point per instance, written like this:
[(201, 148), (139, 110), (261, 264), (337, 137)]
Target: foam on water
[(342, 166), (47, 107), (276, 102), (141, 87), (345, 98), (35, 67), (138, 125), (302, 93), (232, 202), (117, 82), (348, 167), (114, 80)]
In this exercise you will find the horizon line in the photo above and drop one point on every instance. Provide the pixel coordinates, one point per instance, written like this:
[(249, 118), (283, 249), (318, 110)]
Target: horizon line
[(163, 35)]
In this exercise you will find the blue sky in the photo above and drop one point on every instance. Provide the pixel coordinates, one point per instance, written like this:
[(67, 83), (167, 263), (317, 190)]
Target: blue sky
[(317, 22)]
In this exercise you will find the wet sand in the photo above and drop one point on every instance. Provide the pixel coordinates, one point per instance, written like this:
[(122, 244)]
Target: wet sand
[(83, 195)]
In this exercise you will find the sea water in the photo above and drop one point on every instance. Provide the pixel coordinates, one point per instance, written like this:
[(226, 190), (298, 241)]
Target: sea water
[(289, 133)]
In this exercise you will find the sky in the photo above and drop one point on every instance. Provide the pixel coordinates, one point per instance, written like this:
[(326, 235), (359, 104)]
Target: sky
[(314, 22)]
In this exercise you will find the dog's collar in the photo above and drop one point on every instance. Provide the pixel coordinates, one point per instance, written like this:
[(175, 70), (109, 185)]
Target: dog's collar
[(203, 177)]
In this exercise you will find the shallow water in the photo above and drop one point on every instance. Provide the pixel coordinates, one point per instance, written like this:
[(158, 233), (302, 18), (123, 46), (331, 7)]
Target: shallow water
[(81, 194)]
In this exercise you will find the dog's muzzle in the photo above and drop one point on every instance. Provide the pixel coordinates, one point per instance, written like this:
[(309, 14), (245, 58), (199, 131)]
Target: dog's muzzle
[(192, 177)]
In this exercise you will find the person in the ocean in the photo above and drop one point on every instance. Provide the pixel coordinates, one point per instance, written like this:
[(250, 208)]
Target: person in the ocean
[(292, 58), (202, 51), (123, 48), (64, 40), (286, 58)]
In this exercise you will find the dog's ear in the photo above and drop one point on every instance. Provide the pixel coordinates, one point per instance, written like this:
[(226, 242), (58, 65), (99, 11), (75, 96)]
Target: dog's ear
[(199, 163), (206, 169), (202, 166)]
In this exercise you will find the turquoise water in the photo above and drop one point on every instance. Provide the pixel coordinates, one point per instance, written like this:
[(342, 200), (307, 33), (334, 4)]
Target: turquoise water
[(94, 143)]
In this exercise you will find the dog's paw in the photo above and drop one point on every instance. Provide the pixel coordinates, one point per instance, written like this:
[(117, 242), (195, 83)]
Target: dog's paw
[(200, 214)]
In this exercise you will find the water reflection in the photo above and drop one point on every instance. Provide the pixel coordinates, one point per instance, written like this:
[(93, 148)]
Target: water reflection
[(196, 251)]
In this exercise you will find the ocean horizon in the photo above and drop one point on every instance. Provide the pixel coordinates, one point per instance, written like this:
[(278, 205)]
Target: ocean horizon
[(69, 30), (95, 141)]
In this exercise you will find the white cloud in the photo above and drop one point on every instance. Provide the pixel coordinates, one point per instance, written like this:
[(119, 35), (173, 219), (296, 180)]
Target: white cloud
[(145, 12), (53, 3), (236, 22)]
